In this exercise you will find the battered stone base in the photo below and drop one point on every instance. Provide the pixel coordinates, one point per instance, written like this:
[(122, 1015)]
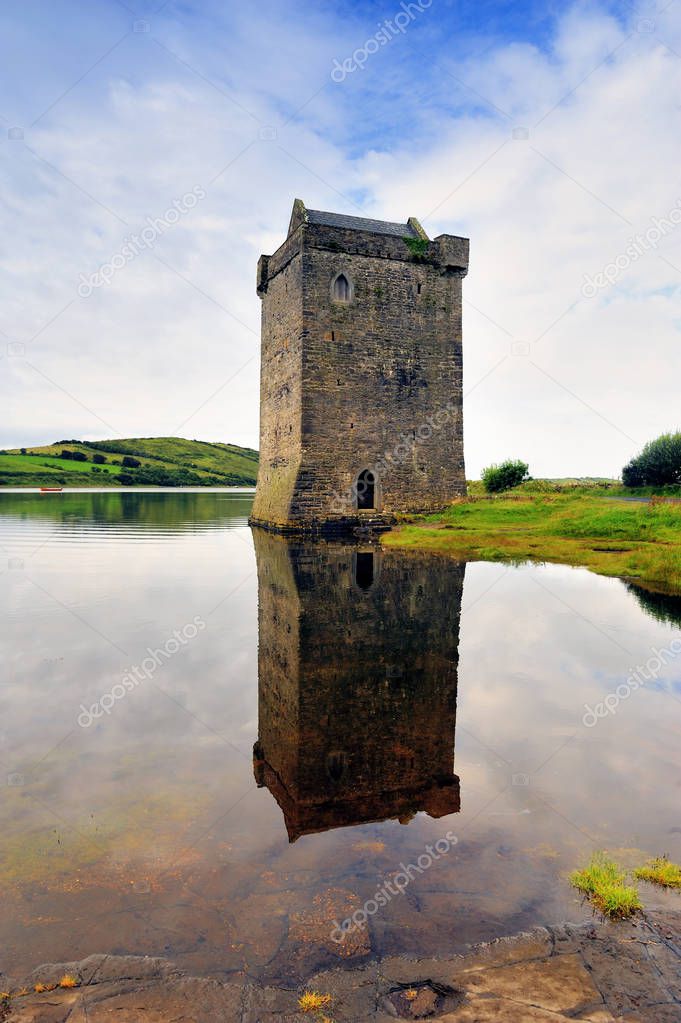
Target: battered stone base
[(606, 973), (349, 526)]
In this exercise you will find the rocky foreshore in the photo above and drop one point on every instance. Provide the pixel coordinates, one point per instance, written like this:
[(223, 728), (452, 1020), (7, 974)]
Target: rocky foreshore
[(604, 973)]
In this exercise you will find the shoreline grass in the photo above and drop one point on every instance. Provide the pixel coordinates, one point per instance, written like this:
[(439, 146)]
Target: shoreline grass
[(589, 527), (602, 882), (660, 871)]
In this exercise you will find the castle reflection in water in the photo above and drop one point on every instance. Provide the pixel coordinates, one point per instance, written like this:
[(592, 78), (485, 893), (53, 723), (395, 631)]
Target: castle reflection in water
[(357, 667)]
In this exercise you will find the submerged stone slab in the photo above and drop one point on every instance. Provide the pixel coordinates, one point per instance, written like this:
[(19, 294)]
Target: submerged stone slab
[(103, 969), (535, 944), (190, 999)]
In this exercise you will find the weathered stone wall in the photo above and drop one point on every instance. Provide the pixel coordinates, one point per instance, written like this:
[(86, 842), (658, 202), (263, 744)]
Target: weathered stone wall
[(378, 379), (280, 383), (357, 687)]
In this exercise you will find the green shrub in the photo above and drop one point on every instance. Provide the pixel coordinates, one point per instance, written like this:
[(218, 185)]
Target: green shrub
[(130, 463), (658, 464), (496, 478)]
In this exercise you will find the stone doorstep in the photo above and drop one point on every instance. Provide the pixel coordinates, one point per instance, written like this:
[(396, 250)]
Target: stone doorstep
[(605, 973)]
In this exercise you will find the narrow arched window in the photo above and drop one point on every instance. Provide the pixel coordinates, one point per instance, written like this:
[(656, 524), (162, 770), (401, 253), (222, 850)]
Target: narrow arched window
[(341, 288), (366, 489)]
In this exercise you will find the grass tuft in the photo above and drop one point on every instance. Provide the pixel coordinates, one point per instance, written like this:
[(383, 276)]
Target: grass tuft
[(311, 1001), (603, 883), (617, 902), (600, 872), (69, 981), (660, 871)]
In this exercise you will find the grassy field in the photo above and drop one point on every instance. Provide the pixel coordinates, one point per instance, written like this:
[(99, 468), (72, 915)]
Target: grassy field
[(164, 461), (580, 526), (43, 465)]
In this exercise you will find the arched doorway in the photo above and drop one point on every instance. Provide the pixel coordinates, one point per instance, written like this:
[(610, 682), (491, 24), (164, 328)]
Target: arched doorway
[(366, 490), (336, 765), (364, 570)]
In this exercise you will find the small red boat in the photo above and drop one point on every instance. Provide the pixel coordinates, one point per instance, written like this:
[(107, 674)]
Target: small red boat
[(51, 490)]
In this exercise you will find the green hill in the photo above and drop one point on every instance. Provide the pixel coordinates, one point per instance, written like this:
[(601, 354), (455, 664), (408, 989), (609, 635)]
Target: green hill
[(134, 461)]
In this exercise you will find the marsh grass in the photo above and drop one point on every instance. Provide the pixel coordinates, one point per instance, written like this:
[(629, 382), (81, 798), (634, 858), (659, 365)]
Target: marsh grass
[(602, 882), (611, 537), (660, 871), (617, 902)]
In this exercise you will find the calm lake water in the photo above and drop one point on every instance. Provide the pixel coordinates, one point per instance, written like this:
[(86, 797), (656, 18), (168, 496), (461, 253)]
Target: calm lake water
[(213, 745)]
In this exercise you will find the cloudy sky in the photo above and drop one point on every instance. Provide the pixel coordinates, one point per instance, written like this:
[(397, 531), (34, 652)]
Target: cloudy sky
[(547, 133)]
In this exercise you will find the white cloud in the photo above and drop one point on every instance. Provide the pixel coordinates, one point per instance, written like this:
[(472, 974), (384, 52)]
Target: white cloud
[(148, 351), (542, 213)]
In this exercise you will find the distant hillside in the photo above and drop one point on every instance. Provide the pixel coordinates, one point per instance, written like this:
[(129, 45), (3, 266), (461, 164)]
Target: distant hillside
[(135, 461)]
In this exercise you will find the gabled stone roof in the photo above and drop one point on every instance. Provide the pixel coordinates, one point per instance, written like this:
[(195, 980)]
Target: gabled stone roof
[(301, 215), (360, 224)]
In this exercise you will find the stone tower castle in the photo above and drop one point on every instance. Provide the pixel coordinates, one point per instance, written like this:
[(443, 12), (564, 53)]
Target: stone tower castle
[(361, 378)]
